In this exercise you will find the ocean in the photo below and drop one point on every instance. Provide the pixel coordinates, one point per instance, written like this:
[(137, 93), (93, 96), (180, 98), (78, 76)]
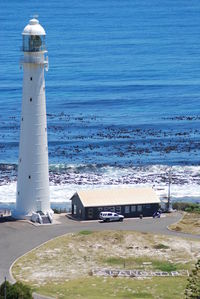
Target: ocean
[(122, 91)]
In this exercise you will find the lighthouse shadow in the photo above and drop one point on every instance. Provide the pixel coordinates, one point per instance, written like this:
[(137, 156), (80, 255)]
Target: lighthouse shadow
[(7, 219)]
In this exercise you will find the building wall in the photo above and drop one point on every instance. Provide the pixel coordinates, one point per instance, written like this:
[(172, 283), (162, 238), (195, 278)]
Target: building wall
[(78, 209), (129, 211)]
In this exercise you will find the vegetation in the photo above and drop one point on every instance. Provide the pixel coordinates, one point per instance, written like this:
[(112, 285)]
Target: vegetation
[(161, 246), (66, 265), (193, 287), (15, 291), (190, 223), (85, 232), (59, 211), (144, 263), (118, 288), (187, 207)]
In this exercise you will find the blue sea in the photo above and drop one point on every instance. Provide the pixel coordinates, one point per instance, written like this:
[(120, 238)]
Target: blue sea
[(122, 91)]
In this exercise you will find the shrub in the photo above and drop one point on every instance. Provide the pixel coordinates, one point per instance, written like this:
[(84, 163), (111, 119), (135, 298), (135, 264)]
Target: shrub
[(193, 287), (187, 206), (15, 291), (59, 211), (161, 246)]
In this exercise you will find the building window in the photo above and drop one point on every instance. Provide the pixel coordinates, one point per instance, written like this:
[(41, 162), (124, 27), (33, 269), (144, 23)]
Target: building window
[(110, 209), (127, 209), (133, 208), (30, 99), (29, 177), (148, 206), (139, 208), (75, 209), (118, 210), (99, 209)]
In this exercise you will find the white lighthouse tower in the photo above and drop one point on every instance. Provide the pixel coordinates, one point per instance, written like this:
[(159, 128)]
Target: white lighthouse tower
[(33, 201)]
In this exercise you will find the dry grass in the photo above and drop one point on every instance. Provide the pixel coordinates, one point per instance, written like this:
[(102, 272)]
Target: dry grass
[(190, 223)]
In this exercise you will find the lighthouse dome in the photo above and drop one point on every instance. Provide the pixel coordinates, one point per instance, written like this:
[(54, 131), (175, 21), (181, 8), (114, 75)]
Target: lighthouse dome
[(34, 37), (33, 28)]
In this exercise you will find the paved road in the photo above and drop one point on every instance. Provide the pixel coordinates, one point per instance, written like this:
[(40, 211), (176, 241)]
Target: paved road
[(16, 238)]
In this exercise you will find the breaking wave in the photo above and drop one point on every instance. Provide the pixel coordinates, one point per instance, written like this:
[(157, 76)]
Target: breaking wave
[(67, 179)]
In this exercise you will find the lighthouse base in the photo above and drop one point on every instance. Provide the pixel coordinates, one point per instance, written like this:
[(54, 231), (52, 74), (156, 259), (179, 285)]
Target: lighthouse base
[(36, 217)]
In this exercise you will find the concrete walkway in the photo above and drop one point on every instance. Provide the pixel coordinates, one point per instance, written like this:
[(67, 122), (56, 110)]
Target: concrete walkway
[(17, 238)]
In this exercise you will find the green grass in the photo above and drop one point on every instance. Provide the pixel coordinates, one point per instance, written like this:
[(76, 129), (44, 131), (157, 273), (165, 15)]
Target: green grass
[(161, 246), (119, 288), (163, 266), (85, 232), (137, 263)]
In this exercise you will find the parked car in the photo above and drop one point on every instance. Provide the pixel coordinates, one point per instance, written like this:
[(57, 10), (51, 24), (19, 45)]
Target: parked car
[(109, 216)]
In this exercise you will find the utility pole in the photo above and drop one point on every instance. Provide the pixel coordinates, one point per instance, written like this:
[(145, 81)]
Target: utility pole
[(169, 190), (5, 288)]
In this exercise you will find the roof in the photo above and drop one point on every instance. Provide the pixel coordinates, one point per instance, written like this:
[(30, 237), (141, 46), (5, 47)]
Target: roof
[(117, 196), (33, 28)]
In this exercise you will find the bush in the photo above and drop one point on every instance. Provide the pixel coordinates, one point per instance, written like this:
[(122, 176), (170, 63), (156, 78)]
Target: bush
[(187, 207), (161, 246), (59, 211), (15, 291), (193, 287)]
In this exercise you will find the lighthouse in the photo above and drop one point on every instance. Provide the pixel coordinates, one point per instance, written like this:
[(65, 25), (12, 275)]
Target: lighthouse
[(33, 198)]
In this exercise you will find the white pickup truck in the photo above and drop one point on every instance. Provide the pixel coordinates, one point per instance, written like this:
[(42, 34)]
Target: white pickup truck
[(109, 216)]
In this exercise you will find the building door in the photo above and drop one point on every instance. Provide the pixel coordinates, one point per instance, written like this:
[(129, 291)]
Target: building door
[(90, 213)]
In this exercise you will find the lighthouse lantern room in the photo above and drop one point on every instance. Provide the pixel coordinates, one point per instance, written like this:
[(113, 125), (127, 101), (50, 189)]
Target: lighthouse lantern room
[(33, 199)]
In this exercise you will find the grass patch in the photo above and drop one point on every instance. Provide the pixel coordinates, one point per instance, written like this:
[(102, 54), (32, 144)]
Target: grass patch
[(140, 263), (85, 232), (119, 288), (161, 246), (113, 261), (164, 266)]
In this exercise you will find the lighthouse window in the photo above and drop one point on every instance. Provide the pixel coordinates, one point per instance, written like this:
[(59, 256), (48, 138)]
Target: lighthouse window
[(31, 78), (29, 177), (30, 99), (22, 118), (18, 192), (20, 160)]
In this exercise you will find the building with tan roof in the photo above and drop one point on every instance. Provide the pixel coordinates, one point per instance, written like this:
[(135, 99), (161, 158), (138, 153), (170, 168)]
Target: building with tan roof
[(130, 202)]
